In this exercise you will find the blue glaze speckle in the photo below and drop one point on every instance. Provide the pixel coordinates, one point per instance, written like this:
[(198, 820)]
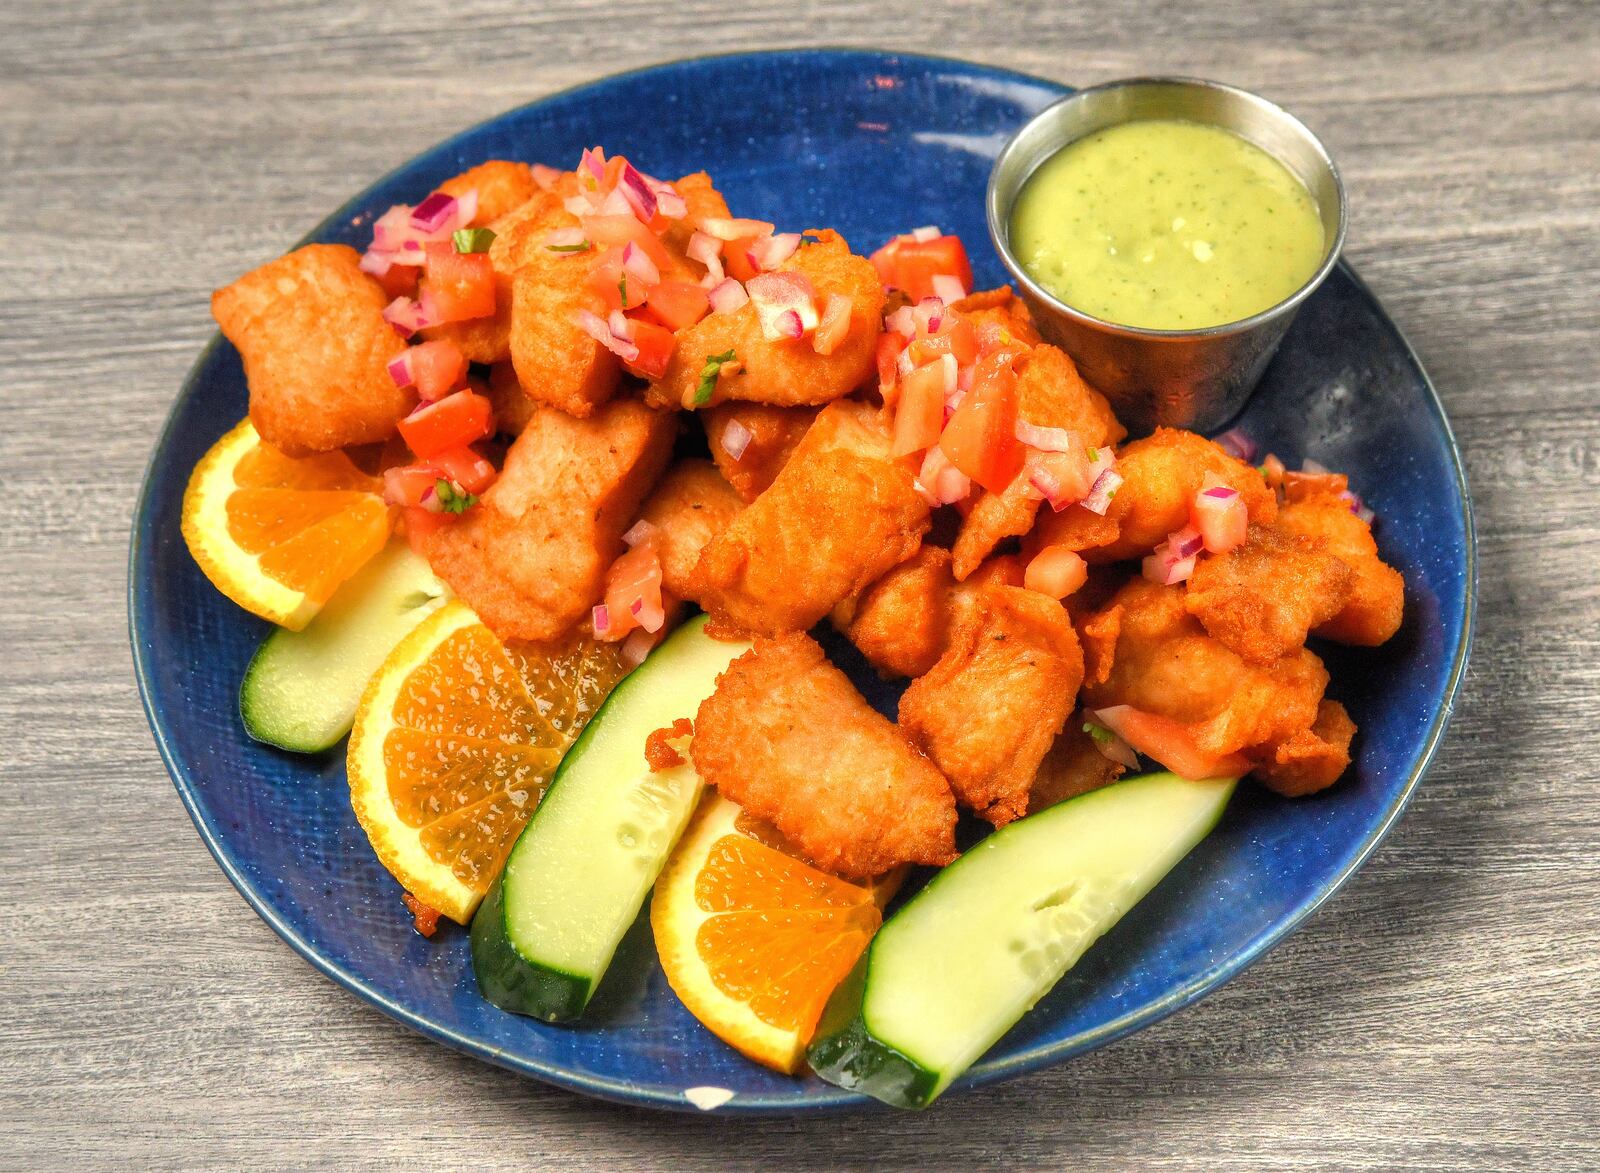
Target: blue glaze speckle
[(871, 144)]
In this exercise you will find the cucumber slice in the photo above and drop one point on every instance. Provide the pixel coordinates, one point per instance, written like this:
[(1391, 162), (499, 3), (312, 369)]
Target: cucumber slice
[(546, 931), (966, 957), (301, 689)]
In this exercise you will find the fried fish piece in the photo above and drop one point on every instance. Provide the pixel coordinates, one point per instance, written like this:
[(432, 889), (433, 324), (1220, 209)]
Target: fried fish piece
[(1311, 759), (309, 327), (512, 409), (774, 433), (782, 372), (839, 515), (1000, 307), (703, 199), (1052, 394), (1145, 650), (787, 737), (1262, 598), (691, 505), (1072, 767), (501, 184), (900, 622), (989, 710), (1376, 604), (530, 558)]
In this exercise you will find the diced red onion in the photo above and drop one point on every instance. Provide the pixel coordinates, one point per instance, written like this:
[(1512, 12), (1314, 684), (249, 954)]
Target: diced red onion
[(948, 289), (952, 402), (637, 192), (640, 531), (637, 646), (615, 204), (1237, 444), (565, 238), (1105, 487), (1045, 439), (1315, 467), (708, 251), (400, 371), (735, 439), (928, 315), (1046, 484), (1220, 492), (788, 325), (904, 364), (924, 234), (406, 316), (595, 327), (1165, 567), (727, 296), (771, 251), (1112, 745), (902, 322), (392, 228), (637, 264), (433, 213), (1186, 542), (668, 201), (544, 176), (1357, 506), (593, 160), (376, 262), (578, 205), (785, 302), (620, 325), (601, 618), (724, 228)]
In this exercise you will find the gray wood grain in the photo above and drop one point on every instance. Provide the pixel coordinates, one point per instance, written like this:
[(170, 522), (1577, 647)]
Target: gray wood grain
[(1440, 1013)]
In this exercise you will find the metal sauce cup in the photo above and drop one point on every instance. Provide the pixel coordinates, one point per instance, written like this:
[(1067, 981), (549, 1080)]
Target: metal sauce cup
[(1197, 379)]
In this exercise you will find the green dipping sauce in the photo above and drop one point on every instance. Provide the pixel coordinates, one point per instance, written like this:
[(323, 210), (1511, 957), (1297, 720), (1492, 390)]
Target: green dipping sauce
[(1167, 225)]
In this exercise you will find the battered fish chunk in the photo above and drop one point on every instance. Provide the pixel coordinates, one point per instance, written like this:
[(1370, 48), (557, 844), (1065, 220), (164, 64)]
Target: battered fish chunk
[(901, 622), (989, 710), (786, 373), (1072, 767), (1372, 613), (501, 184), (530, 558), (1146, 650), (841, 513), (1161, 474), (1262, 598), (1000, 307), (309, 327), (775, 432), (1052, 394), (691, 505), (788, 738), (1312, 759), (512, 409)]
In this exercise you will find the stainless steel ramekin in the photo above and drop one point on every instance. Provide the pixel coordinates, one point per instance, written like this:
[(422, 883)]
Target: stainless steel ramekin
[(1196, 379)]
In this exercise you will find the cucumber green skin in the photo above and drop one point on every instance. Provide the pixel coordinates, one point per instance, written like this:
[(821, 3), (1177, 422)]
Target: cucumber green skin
[(846, 1053), (511, 981), (506, 977), (260, 723)]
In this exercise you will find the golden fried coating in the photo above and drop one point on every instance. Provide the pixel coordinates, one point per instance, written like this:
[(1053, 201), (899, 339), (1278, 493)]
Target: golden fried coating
[(1074, 528), (789, 739), (309, 327), (1261, 598), (512, 408), (1051, 394), (501, 186), (1146, 650), (691, 505), (530, 558), (1312, 759), (1072, 767), (703, 199), (900, 623), (517, 233), (785, 372), (1161, 474), (840, 514), (1002, 307), (1377, 594), (774, 434), (990, 709)]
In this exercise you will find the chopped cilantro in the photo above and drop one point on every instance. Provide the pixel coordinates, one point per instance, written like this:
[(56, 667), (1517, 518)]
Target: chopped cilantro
[(472, 240), (1101, 735), (1094, 454), (452, 499), (582, 246), (708, 377), (622, 288)]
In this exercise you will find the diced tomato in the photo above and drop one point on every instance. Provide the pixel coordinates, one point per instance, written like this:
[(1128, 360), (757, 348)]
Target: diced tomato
[(453, 422), (919, 410), (437, 368), (957, 336), (883, 261), (420, 523), (980, 438), (633, 592), (1169, 742), (466, 467), (460, 285), (736, 259), (655, 345), (399, 281), (889, 348), (915, 263), (407, 484), (677, 305), (1056, 571), (834, 326), (608, 231)]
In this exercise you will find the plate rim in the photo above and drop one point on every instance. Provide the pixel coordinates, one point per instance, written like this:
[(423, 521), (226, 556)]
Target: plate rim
[(638, 1095)]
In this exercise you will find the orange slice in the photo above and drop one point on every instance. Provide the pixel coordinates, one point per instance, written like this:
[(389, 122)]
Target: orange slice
[(753, 941), (278, 535), (454, 744)]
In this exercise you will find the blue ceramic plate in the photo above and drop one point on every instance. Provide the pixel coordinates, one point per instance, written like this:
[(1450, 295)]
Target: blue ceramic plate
[(871, 144)]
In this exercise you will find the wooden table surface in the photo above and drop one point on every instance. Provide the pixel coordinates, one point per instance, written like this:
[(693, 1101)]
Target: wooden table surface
[(1441, 1012)]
